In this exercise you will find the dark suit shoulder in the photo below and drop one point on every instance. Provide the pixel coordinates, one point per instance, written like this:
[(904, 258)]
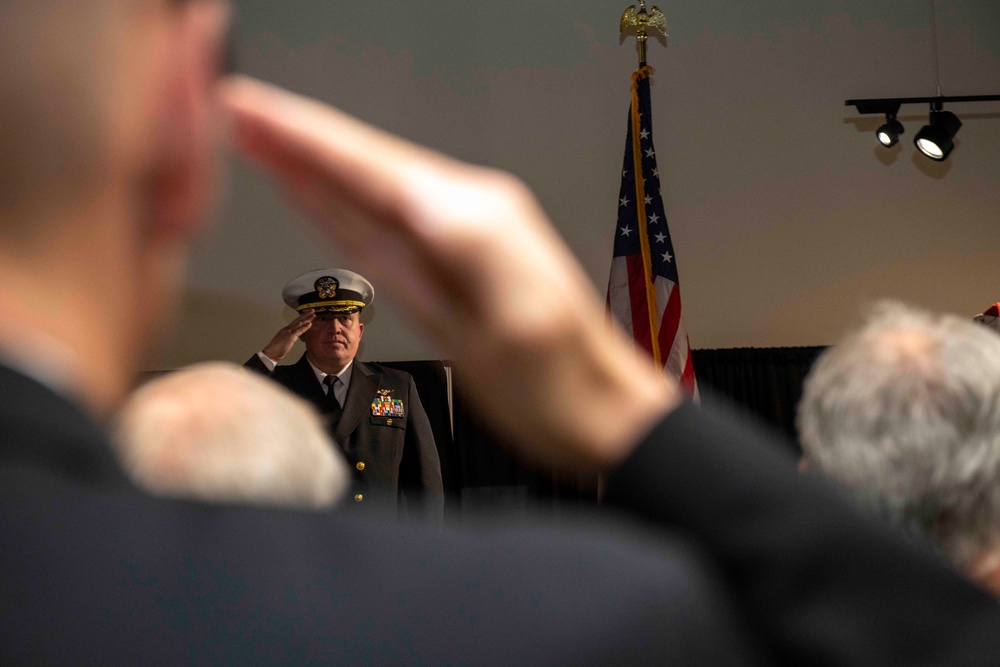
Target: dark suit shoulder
[(255, 364), (292, 374), (236, 585), (725, 482), (388, 374), (43, 429)]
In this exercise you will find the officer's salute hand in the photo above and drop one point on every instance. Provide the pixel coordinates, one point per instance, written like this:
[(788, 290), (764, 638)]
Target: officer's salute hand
[(474, 261), (287, 336)]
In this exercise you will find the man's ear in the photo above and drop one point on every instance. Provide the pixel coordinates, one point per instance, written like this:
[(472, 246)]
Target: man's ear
[(361, 329), (184, 173), (984, 570)]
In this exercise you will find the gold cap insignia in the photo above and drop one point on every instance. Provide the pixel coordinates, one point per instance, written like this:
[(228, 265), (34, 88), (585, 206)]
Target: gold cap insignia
[(326, 287)]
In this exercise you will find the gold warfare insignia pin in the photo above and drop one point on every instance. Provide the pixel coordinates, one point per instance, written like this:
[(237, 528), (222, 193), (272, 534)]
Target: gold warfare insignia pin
[(326, 287)]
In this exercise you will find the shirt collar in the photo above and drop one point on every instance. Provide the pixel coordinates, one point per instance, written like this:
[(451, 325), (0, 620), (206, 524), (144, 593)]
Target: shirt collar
[(46, 360), (344, 374)]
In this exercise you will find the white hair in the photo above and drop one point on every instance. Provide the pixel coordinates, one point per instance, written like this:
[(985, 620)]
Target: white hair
[(215, 431), (908, 407)]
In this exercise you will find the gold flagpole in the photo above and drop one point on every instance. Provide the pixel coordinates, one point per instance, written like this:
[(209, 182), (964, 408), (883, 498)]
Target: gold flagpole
[(642, 21)]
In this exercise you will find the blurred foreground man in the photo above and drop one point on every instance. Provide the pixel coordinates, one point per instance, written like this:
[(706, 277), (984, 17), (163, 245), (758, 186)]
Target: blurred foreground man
[(108, 118), (905, 411), (373, 412)]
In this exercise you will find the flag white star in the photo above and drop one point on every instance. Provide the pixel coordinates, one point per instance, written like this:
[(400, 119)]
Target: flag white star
[(624, 201), (656, 172), (653, 219), (624, 174), (626, 231), (661, 237), (644, 134), (649, 200), (649, 152), (667, 257)]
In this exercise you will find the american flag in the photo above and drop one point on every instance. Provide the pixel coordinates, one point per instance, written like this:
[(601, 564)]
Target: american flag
[(643, 290)]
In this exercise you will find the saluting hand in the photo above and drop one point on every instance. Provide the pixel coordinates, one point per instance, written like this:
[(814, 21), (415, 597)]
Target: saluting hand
[(471, 257), (287, 336)]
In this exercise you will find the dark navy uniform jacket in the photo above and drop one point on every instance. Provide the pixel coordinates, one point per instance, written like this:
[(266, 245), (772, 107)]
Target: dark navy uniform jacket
[(384, 433)]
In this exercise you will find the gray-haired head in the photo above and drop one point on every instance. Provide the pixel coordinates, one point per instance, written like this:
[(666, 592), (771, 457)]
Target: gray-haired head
[(908, 407), (217, 432)]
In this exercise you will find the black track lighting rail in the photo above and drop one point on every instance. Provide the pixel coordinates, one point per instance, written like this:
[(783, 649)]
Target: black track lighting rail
[(892, 104)]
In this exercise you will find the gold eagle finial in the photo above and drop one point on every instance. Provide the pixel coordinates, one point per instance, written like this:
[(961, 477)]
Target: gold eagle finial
[(643, 22)]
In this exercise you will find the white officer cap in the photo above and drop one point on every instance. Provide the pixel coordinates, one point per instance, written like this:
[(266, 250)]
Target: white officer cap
[(328, 290)]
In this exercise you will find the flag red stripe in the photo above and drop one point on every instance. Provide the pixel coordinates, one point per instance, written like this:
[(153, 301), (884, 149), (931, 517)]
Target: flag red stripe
[(637, 298), (669, 325)]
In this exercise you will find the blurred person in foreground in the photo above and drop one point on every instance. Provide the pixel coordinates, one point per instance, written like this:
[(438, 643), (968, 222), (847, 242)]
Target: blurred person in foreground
[(216, 432), (905, 411), (710, 549)]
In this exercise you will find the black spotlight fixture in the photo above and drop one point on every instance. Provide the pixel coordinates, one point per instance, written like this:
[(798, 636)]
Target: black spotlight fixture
[(935, 139), (888, 134)]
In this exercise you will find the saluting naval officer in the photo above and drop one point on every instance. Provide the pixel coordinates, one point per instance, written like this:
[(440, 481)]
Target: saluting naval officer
[(374, 412)]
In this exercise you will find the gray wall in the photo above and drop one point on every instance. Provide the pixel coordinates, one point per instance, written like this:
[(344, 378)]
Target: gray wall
[(785, 215)]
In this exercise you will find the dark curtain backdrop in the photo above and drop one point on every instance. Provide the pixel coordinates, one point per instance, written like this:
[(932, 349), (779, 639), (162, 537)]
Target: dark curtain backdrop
[(764, 381), (480, 476)]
